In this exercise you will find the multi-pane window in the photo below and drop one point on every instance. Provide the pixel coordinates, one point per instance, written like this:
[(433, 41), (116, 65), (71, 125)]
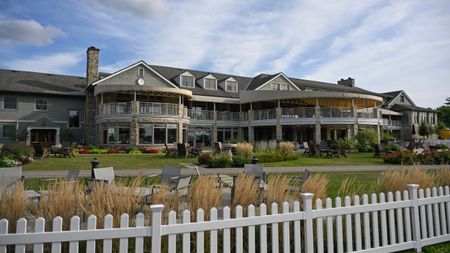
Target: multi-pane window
[(9, 102), (210, 84), (231, 86), (8, 131), (275, 86), (140, 72), (40, 104), (402, 99), (284, 86), (146, 134), (74, 118), (187, 81)]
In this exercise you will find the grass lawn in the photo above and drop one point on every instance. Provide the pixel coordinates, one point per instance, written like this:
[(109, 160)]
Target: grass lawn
[(152, 161)]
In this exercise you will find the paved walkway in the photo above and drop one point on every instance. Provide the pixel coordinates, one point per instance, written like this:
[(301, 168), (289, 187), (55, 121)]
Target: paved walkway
[(190, 170)]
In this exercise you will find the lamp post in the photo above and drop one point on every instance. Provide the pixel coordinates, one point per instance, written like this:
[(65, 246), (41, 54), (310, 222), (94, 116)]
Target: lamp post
[(254, 160), (94, 164)]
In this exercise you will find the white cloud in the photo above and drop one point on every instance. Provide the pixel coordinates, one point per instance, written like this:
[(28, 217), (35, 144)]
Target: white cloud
[(28, 31), (59, 63), (138, 8)]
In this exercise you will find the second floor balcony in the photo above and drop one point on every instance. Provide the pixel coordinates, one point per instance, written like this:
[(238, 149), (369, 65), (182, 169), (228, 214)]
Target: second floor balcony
[(145, 108)]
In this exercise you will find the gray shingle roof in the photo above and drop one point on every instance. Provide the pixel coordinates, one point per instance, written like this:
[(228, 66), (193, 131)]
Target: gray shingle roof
[(33, 82), (404, 107), (309, 84)]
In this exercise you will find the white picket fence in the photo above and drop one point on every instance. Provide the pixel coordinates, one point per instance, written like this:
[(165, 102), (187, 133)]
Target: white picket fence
[(405, 220)]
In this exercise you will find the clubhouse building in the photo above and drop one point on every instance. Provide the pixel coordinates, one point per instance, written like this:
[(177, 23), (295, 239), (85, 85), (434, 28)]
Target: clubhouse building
[(146, 104)]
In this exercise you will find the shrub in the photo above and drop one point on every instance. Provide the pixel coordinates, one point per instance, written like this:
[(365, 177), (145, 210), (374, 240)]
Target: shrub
[(441, 146), (204, 158), (245, 149), (392, 148), (366, 136), (133, 150), (240, 161), (205, 195), (220, 161), (365, 148), (268, 157), (5, 162), (287, 147), (18, 150), (348, 144), (441, 157)]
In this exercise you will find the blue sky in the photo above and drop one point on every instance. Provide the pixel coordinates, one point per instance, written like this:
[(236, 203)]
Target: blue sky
[(384, 45)]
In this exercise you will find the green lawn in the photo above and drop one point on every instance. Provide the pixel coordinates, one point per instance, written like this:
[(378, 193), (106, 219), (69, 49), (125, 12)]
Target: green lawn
[(151, 161)]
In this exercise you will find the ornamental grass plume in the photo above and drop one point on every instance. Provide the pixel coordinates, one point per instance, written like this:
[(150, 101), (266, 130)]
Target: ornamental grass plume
[(442, 176), (397, 180), (350, 187), (244, 150), (13, 204), (318, 185), (277, 189), (64, 199), (287, 147), (204, 194), (163, 195), (246, 191)]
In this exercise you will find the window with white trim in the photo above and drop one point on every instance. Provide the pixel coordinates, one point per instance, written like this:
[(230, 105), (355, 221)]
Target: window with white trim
[(284, 86), (40, 104), (8, 131), (275, 86), (187, 81), (9, 102), (231, 86), (74, 118), (210, 84), (140, 72)]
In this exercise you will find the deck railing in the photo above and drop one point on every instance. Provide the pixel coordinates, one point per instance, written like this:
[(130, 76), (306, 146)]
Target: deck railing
[(264, 114), (329, 112), (158, 108), (116, 108), (228, 116), (298, 112), (200, 114), (377, 223)]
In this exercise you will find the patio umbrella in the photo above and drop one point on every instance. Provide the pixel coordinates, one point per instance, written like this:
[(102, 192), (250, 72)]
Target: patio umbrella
[(413, 132)]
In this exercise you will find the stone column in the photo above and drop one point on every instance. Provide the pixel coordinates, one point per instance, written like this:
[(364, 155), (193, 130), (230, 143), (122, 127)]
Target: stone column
[(251, 129), (278, 128), (214, 125), (180, 132), (134, 125), (295, 133), (355, 119), (377, 111), (317, 132)]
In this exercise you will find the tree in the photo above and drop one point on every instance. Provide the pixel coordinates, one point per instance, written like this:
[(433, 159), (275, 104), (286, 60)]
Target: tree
[(444, 114), (447, 101), (424, 129)]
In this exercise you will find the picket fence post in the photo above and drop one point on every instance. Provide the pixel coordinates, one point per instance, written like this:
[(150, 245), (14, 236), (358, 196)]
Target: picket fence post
[(156, 227), (415, 222), (309, 239)]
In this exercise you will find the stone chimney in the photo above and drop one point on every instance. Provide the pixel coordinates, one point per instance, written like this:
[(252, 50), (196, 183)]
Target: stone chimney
[(350, 82), (92, 65)]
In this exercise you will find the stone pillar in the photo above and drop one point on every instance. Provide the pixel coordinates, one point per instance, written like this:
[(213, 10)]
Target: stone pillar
[(354, 129), (278, 128), (317, 132), (328, 133), (377, 111), (251, 129), (295, 133), (180, 132), (134, 131), (214, 125), (90, 102)]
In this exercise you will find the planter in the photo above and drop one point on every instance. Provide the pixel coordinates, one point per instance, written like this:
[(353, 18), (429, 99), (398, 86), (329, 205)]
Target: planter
[(9, 175), (444, 133)]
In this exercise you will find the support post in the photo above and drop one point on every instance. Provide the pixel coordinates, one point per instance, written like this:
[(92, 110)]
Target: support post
[(278, 129), (156, 227), (415, 222), (317, 133), (309, 240)]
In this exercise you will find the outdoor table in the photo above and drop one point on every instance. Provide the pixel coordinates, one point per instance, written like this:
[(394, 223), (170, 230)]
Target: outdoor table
[(228, 147)]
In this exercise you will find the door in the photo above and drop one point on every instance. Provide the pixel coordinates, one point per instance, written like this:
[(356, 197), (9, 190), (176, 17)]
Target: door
[(46, 137)]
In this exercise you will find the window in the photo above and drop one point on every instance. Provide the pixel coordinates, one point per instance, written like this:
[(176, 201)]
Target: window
[(402, 99), (160, 133), (210, 84), (171, 133), (40, 104), (146, 134), (8, 131), (231, 86), (140, 72), (284, 86), (124, 135), (187, 81), (275, 86), (9, 103), (74, 118)]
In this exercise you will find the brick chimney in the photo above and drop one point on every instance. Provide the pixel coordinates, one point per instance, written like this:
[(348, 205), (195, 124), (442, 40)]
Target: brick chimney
[(91, 65), (350, 82)]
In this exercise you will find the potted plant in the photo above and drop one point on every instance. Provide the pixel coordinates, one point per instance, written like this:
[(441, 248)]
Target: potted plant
[(444, 132)]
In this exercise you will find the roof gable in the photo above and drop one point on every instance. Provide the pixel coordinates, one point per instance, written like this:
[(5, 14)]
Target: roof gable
[(278, 78), (396, 99)]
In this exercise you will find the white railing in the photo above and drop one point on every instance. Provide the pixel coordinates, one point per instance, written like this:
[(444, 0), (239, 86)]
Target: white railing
[(328, 112), (200, 114), (228, 116), (298, 112), (264, 114), (367, 114), (116, 108), (377, 223), (158, 108)]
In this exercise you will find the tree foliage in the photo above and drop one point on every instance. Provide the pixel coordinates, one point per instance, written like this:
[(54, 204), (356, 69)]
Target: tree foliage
[(444, 115), (424, 129)]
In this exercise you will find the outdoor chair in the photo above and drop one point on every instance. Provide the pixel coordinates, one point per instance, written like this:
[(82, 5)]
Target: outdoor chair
[(72, 175), (170, 152), (12, 176), (313, 150), (378, 149), (299, 182), (182, 150), (197, 150), (306, 147), (257, 171), (218, 147), (39, 151), (170, 176)]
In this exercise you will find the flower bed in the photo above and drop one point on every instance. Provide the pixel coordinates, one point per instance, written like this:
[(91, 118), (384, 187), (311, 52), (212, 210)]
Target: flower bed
[(116, 150), (409, 158)]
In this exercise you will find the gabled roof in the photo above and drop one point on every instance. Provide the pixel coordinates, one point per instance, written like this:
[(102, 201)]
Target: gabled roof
[(259, 80), (132, 66), (41, 83), (317, 85), (275, 76), (404, 107), (392, 95), (44, 122)]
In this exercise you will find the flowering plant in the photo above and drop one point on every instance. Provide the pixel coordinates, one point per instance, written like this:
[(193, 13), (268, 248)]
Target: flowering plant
[(5, 162)]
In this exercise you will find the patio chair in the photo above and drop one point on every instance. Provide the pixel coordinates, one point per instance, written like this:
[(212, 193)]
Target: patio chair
[(105, 175), (197, 150), (170, 152), (378, 149), (306, 147), (218, 147), (255, 170), (12, 176), (181, 150), (170, 176), (39, 151)]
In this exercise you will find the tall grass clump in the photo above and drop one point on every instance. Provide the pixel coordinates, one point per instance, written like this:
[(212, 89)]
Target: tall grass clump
[(13, 204), (204, 194), (261, 146), (350, 187), (287, 147), (318, 185), (163, 195), (114, 199), (245, 150), (277, 190), (443, 176), (246, 191), (397, 180), (64, 199)]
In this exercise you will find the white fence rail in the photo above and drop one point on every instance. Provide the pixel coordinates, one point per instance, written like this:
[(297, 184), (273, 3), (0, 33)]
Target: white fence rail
[(377, 223)]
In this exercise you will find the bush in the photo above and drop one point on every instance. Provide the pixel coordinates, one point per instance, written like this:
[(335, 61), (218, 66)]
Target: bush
[(133, 150), (5, 162), (407, 157), (269, 157), (204, 158), (348, 144), (366, 136), (18, 150), (441, 146), (244, 149), (220, 161), (392, 148), (365, 148), (287, 147), (240, 161)]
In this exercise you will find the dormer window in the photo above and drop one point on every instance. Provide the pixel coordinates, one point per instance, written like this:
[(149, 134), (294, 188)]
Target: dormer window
[(187, 81), (231, 86), (402, 99), (210, 84), (140, 72)]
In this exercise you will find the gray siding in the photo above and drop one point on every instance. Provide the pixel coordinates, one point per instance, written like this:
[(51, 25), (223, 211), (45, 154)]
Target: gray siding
[(130, 77), (280, 79), (397, 100)]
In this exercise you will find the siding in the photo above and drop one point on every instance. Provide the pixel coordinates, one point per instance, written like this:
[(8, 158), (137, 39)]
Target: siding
[(130, 77), (280, 79)]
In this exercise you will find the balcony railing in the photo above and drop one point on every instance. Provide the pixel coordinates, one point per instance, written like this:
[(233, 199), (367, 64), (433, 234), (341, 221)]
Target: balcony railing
[(264, 114), (200, 114), (158, 108), (327, 112), (397, 123), (366, 115), (228, 116), (298, 112), (116, 108)]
